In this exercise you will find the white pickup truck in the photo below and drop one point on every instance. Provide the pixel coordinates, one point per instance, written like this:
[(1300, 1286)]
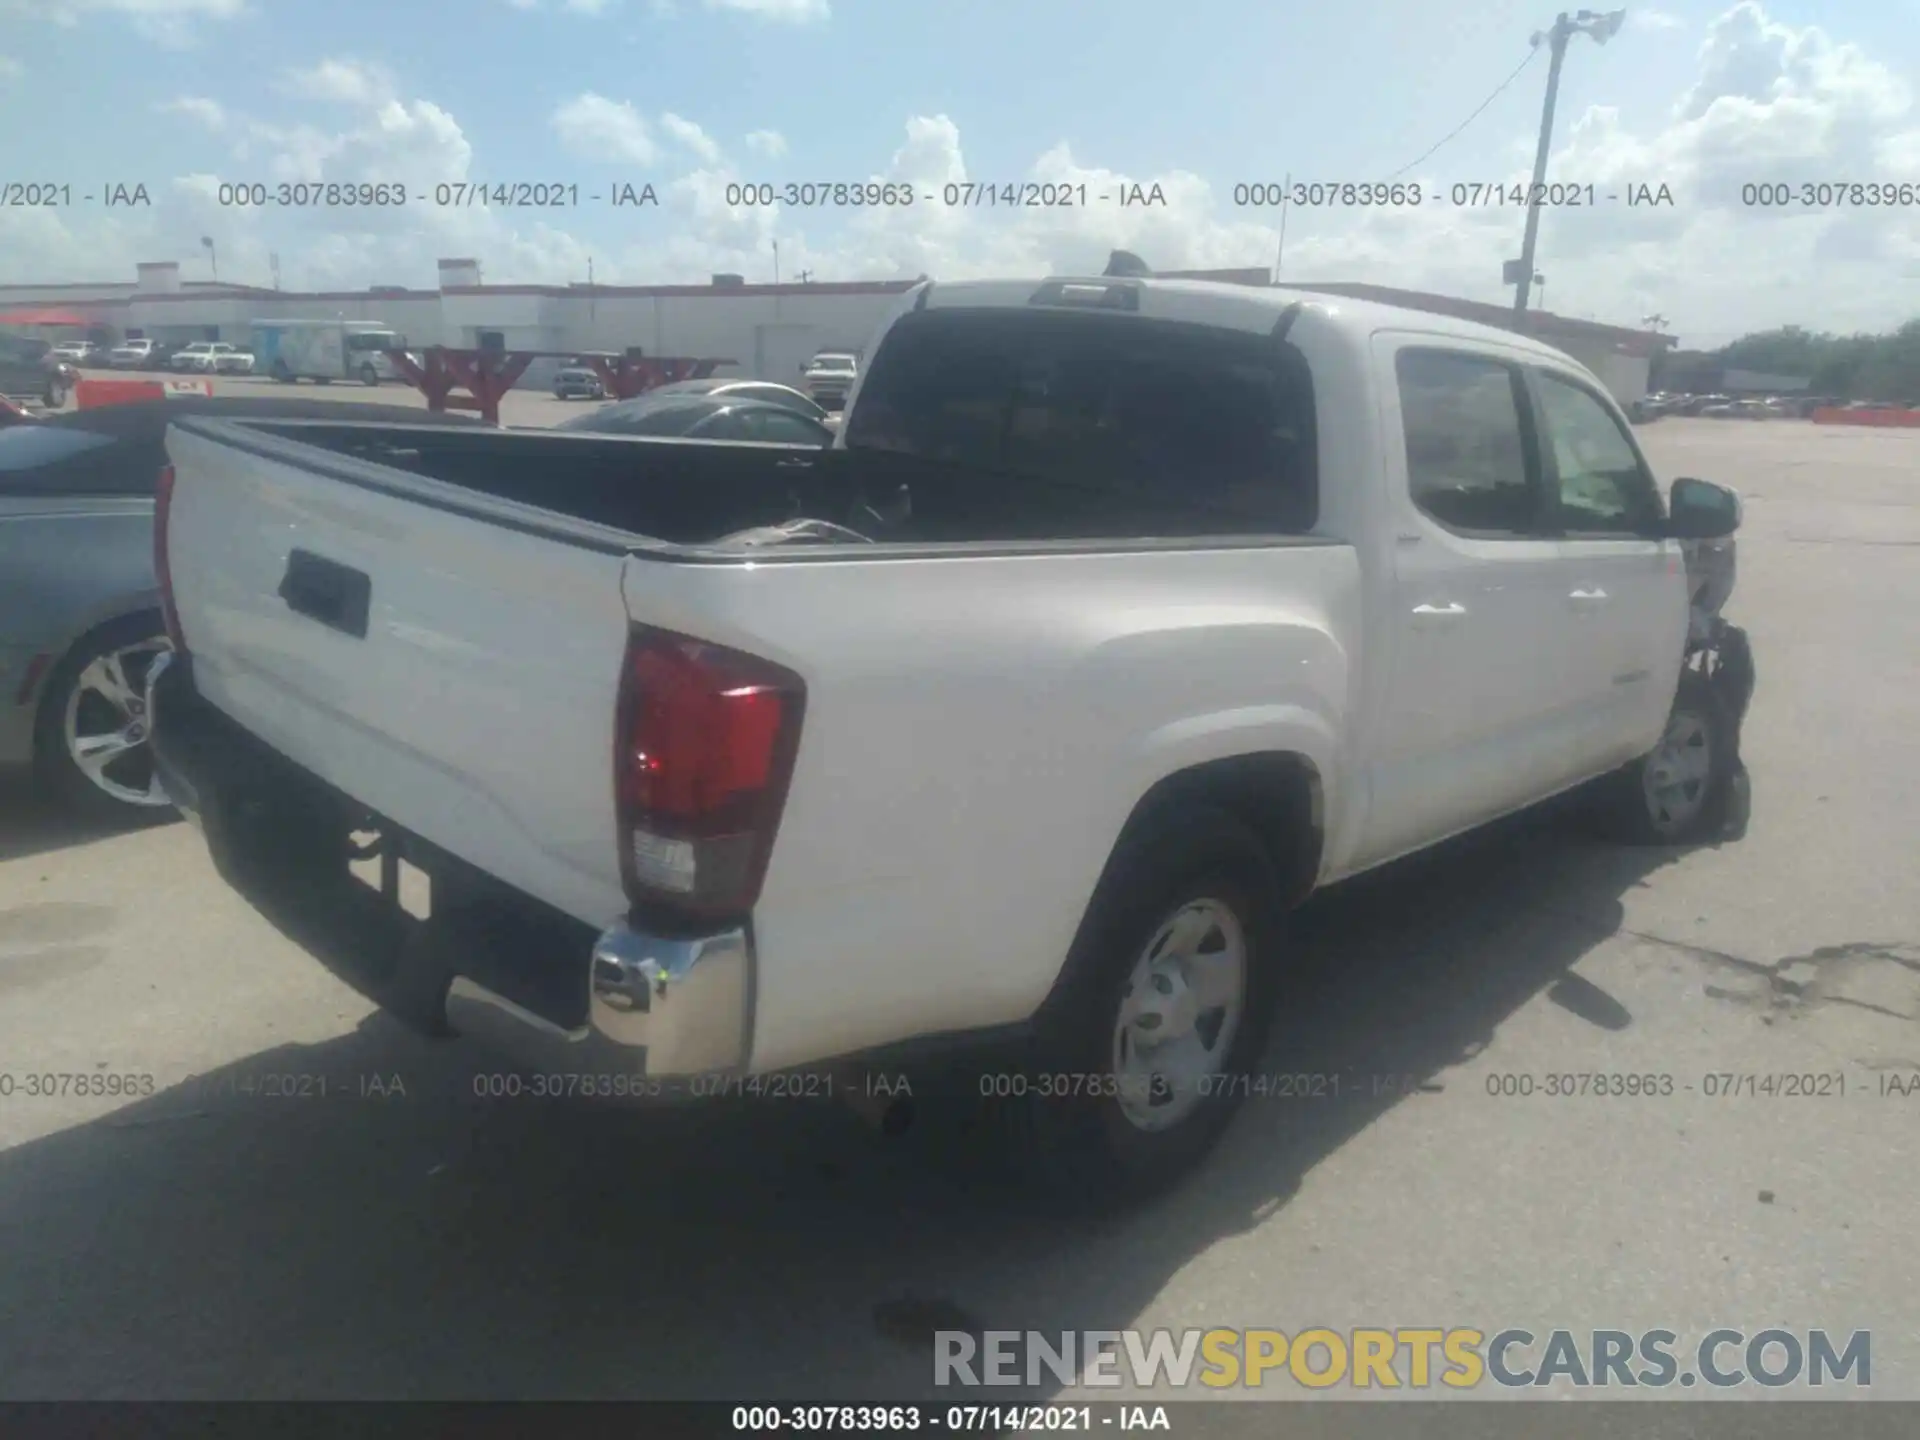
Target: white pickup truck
[(1122, 614)]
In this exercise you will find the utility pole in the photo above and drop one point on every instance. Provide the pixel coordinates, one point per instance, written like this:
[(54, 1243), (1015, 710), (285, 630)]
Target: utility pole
[(1280, 250), (1602, 28)]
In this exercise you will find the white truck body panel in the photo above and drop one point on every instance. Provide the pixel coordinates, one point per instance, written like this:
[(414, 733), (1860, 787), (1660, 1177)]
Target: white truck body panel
[(978, 730)]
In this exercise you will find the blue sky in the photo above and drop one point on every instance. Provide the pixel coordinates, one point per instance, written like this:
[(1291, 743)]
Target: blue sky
[(183, 94)]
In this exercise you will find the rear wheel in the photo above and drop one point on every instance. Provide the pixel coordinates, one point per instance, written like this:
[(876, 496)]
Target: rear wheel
[(1167, 998), (369, 375), (281, 373)]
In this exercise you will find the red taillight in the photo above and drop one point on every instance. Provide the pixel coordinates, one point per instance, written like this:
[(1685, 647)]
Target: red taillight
[(162, 568), (704, 750)]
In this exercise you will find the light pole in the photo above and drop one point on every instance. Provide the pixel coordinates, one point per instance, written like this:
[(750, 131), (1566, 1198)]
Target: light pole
[(1602, 28)]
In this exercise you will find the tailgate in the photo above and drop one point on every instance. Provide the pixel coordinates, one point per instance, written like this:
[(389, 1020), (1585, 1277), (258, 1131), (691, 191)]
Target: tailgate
[(451, 672)]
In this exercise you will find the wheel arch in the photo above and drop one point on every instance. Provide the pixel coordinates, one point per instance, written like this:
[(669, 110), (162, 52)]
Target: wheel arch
[(1278, 794)]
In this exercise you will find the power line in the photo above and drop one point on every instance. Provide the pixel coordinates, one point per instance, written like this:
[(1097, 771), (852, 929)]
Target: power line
[(1471, 118)]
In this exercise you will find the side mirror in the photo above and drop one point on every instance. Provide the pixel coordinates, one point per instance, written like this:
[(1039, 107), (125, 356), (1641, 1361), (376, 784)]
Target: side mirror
[(1700, 510)]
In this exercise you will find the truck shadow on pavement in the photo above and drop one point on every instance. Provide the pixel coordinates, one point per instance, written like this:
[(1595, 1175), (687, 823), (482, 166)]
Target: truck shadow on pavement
[(32, 825), (351, 1220)]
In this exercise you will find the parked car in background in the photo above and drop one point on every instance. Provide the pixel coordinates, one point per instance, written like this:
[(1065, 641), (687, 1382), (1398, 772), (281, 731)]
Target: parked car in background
[(135, 354), (78, 352), (702, 417), (578, 382), (29, 371), (766, 390), (829, 377), (210, 357), (79, 609)]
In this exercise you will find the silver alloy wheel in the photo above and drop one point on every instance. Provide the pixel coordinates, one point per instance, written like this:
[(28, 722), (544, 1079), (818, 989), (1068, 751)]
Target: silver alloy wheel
[(1179, 1014), (107, 728), (1678, 775)]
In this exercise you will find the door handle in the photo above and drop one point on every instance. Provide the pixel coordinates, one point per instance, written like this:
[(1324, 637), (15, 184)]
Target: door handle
[(1438, 614)]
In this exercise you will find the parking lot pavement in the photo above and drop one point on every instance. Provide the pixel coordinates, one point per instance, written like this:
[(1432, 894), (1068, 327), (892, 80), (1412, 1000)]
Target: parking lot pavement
[(212, 1239)]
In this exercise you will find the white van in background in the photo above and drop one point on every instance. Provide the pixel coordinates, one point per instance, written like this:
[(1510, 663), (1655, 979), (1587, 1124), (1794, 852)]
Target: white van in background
[(326, 350)]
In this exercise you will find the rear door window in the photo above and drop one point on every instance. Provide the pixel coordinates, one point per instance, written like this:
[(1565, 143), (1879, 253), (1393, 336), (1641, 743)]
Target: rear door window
[(1177, 416)]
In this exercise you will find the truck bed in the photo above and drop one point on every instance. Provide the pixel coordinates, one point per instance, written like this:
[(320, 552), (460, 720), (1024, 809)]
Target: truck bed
[(698, 493)]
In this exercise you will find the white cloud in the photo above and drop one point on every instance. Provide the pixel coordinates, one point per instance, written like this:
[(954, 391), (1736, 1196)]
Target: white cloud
[(345, 82), (209, 113), (589, 7), (1768, 103), (167, 22), (598, 128), (691, 136), (791, 12), (1651, 19)]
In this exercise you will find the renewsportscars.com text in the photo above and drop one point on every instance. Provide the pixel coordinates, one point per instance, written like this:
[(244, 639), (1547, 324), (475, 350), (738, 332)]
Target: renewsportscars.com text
[(1402, 1358)]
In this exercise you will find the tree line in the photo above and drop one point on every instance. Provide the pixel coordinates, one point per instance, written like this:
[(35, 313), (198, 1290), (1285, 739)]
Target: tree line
[(1849, 367)]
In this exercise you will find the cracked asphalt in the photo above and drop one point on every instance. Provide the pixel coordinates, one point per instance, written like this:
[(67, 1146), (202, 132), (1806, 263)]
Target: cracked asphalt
[(397, 1237)]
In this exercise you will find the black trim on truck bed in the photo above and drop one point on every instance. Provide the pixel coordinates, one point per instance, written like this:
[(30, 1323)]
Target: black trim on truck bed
[(551, 524), (421, 489)]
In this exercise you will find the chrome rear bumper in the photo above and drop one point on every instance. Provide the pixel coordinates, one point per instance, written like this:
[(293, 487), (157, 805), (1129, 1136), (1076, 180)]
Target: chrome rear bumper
[(655, 1007)]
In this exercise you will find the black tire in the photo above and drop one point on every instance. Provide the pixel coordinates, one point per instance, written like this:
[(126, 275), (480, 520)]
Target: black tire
[(1080, 1151), (323, 379), (369, 376), (56, 395), (57, 771), (1628, 813), (282, 374)]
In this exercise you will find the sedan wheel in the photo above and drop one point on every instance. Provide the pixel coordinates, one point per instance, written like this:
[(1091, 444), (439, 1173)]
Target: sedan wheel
[(95, 736), (107, 728)]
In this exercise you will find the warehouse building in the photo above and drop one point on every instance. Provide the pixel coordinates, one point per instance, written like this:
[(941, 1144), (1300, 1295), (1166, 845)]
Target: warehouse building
[(767, 331)]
